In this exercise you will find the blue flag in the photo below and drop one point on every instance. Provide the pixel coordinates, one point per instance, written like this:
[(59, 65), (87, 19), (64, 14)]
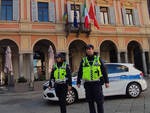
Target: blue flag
[(75, 17)]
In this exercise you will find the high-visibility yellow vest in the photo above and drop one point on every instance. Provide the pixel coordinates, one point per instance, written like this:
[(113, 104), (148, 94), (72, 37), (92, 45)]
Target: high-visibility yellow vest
[(60, 72), (91, 72)]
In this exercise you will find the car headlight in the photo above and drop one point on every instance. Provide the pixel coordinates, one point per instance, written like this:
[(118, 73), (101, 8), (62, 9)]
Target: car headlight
[(45, 87)]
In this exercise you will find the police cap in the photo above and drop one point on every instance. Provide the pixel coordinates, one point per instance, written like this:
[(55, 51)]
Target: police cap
[(89, 46), (59, 55)]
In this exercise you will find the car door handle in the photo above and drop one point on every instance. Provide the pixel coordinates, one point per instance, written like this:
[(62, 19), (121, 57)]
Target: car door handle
[(123, 75)]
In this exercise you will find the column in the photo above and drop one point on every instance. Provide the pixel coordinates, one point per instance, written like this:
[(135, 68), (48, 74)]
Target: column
[(28, 10), (67, 57), (31, 72), (99, 53), (57, 11), (126, 57), (20, 65), (144, 63), (22, 10), (115, 10), (140, 17), (145, 13), (118, 55), (120, 13), (62, 7)]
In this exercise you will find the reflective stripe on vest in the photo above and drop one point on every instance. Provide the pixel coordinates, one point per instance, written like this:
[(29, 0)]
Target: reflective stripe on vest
[(91, 72), (60, 72)]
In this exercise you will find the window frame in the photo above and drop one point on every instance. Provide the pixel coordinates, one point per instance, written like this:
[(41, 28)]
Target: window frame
[(44, 19), (6, 5), (77, 10), (104, 19), (129, 17)]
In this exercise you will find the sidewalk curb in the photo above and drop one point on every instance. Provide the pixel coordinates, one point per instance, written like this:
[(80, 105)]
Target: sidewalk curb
[(19, 93)]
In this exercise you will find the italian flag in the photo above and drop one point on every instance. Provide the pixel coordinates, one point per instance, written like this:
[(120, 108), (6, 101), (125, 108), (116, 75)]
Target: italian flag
[(86, 16)]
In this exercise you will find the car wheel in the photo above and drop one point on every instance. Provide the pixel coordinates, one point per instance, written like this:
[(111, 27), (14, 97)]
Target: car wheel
[(133, 90), (71, 96)]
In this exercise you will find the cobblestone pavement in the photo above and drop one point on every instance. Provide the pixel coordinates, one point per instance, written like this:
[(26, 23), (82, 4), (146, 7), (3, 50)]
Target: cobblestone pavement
[(32, 102)]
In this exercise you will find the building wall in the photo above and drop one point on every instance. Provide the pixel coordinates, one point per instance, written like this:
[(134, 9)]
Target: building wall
[(26, 33)]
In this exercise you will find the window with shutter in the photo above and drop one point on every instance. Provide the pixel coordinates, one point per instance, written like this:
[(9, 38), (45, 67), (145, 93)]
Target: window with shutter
[(7, 10), (72, 12), (104, 15), (129, 17), (43, 11)]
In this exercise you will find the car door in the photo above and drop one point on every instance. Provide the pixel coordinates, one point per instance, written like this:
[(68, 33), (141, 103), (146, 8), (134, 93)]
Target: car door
[(117, 79)]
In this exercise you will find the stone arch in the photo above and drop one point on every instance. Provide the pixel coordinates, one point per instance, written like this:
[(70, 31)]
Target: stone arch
[(49, 40), (15, 56), (76, 52), (13, 40), (135, 50), (75, 40), (40, 56), (108, 51)]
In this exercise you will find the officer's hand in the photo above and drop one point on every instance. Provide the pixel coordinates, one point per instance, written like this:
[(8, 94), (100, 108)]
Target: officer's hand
[(69, 88), (107, 85), (49, 88), (78, 85)]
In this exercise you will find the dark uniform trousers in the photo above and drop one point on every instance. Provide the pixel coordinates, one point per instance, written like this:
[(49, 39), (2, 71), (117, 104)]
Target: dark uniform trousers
[(94, 93), (61, 92)]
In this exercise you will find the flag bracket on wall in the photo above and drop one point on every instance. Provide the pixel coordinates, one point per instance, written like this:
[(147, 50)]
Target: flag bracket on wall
[(69, 28)]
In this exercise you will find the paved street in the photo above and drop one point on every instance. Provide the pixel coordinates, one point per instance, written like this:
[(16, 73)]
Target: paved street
[(32, 102)]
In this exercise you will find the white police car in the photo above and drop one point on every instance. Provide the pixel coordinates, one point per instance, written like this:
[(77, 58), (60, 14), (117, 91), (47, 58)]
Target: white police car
[(124, 79)]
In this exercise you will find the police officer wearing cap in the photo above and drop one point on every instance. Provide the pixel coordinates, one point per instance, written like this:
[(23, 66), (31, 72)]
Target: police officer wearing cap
[(93, 73), (62, 80)]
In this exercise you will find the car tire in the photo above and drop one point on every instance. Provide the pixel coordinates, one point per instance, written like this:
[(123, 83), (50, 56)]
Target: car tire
[(71, 96), (133, 90)]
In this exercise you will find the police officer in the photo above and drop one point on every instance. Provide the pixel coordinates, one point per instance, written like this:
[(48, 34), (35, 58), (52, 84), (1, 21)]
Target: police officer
[(62, 80), (92, 71)]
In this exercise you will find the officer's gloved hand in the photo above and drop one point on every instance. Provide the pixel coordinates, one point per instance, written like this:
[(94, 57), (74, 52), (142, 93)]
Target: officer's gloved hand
[(69, 88), (107, 85), (49, 88)]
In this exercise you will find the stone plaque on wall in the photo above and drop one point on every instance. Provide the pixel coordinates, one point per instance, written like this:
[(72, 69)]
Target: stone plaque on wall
[(25, 43)]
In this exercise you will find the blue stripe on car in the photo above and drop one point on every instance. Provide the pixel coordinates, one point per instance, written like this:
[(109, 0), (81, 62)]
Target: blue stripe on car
[(116, 78), (74, 82), (130, 77)]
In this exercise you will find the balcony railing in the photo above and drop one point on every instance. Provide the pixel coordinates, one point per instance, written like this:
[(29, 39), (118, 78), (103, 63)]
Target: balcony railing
[(69, 28)]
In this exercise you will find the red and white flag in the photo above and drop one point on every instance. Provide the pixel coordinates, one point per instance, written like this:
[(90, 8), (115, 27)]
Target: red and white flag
[(92, 16)]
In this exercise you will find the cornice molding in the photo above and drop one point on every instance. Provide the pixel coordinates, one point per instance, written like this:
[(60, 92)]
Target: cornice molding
[(104, 2), (128, 4), (77, 1)]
